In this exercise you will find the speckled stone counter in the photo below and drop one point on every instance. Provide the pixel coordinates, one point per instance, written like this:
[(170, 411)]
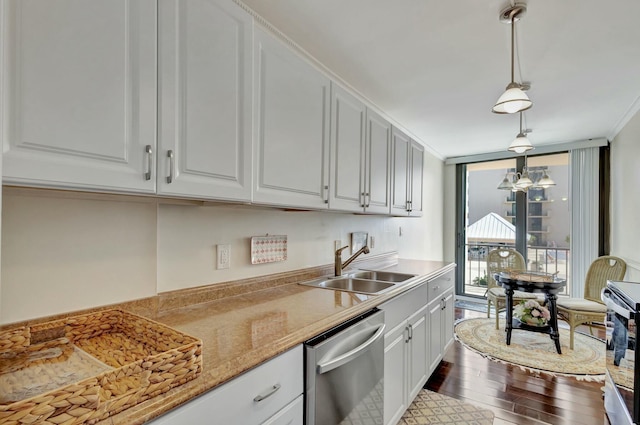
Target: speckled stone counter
[(242, 331)]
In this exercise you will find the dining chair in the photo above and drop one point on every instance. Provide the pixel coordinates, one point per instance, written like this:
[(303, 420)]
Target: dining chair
[(500, 260), (578, 311)]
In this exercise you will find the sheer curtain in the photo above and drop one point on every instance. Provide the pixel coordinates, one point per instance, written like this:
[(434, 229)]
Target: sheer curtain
[(584, 177)]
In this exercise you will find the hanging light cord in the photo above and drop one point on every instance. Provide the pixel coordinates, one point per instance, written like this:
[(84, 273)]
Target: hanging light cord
[(513, 38)]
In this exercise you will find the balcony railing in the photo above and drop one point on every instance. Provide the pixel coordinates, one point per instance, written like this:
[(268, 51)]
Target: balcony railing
[(539, 258)]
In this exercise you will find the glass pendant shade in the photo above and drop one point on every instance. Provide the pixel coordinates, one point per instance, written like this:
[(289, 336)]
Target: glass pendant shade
[(520, 144), (524, 182), (513, 100), (545, 181), (506, 184)]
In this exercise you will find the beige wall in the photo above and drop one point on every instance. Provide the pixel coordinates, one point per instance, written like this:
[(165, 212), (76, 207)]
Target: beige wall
[(63, 251), (625, 197)]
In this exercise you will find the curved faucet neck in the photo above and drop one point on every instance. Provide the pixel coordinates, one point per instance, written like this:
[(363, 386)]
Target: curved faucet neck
[(339, 265)]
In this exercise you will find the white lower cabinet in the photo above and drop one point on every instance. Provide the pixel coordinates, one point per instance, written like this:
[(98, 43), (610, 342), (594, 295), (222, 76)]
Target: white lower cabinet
[(406, 350), (441, 318), (268, 394), (420, 324)]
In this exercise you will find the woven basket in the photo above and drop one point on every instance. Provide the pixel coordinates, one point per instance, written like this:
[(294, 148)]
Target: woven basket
[(125, 359)]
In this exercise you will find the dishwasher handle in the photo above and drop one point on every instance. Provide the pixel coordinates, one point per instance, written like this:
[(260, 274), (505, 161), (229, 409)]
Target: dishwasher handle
[(331, 364)]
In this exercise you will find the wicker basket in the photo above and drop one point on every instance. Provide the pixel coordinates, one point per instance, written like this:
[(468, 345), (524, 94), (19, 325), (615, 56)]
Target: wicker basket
[(122, 360)]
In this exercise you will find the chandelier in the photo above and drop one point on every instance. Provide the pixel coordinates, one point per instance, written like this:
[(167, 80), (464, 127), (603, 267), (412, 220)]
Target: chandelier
[(521, 181)]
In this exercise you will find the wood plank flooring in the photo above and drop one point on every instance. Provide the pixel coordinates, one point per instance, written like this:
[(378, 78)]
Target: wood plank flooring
[(515, 396)]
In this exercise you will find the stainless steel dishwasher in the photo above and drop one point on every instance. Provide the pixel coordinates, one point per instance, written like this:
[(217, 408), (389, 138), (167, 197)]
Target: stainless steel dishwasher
[(344, 370)]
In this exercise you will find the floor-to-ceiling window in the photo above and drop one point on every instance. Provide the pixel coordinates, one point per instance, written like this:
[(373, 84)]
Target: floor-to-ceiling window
[(535, 221)]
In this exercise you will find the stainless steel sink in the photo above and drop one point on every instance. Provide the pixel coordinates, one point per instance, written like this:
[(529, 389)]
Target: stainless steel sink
[(380, 275), (351, 284)]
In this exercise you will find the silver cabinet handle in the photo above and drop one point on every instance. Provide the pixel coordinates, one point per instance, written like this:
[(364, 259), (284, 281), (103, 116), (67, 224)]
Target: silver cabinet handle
[(367, 199), (326, 194), (363, 200), (410, 332), (407, 339), (443, 304), (171, 165), (410, 206), (435, 288), (271, 391), (149, 151), (326, 366)]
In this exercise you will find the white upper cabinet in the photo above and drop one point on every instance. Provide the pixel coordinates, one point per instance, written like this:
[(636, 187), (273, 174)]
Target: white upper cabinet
[(347, 151), (291, 131), (400, 189), (205, 88), (79, 94), (360, 147), (408, 164), (377, 175), (417, 174)]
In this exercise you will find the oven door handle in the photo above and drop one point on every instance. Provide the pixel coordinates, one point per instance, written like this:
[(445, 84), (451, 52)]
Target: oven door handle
[(612, 305), (326, 366)]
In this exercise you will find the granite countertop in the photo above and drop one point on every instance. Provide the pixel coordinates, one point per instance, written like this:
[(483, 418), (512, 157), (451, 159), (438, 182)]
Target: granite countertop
[(242, 331)]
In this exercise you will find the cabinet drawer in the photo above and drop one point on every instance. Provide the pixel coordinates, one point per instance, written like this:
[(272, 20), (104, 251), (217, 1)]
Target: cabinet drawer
[(401, 307), (440, 285), (292, 414), (234, 402)]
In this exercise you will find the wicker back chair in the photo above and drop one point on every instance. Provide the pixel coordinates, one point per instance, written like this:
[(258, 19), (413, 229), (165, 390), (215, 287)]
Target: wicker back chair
[(499, 260), (578, 311)]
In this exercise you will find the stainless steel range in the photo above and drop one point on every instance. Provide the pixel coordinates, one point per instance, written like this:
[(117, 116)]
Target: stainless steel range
[(622, 385)]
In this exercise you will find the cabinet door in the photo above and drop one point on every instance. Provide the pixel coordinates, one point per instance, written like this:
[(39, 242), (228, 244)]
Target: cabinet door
[(400, 189), (448, 319), (347, 166), (435, 334), (378, 165), (291, 137), (418, 352), (204, 141), (416, 176), (395, 372), (79, 94)]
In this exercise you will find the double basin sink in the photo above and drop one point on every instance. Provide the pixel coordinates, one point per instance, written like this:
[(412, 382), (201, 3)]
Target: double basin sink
[(369, 282)]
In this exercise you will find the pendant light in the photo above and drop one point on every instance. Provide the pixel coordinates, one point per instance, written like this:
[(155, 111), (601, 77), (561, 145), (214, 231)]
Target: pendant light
[(545, 181), (521, 143), (514, 99)]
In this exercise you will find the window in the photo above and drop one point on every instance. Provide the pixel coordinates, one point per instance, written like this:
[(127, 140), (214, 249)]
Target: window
[(535, 222)]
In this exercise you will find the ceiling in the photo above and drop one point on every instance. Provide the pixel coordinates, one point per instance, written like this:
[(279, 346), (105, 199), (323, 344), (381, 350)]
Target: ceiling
[(436, 67)]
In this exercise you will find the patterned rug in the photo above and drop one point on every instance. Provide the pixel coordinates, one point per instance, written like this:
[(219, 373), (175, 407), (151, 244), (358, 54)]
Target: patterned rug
[(535, 352), (433, 408)]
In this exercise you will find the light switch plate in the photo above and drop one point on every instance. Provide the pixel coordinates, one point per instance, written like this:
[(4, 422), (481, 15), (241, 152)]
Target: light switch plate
[(223, 254)]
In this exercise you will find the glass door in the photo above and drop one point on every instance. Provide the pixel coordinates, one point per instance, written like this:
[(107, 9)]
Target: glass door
[(535, 221)]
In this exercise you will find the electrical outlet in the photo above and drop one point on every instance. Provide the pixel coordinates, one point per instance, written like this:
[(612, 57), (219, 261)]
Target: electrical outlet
[(223, 256), (372, 242)]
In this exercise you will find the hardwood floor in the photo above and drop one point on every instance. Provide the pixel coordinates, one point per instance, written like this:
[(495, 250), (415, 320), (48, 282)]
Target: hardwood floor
[(515, 396)]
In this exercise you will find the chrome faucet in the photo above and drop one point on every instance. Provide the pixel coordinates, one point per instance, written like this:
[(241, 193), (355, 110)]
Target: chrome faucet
[(339, 265)]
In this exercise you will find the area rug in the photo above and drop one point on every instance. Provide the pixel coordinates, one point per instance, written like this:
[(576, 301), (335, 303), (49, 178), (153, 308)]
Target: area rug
[(535, 352), (433, 408)]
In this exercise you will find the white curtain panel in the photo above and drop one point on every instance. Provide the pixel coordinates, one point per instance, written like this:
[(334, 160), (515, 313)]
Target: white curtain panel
[(584, 198)]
